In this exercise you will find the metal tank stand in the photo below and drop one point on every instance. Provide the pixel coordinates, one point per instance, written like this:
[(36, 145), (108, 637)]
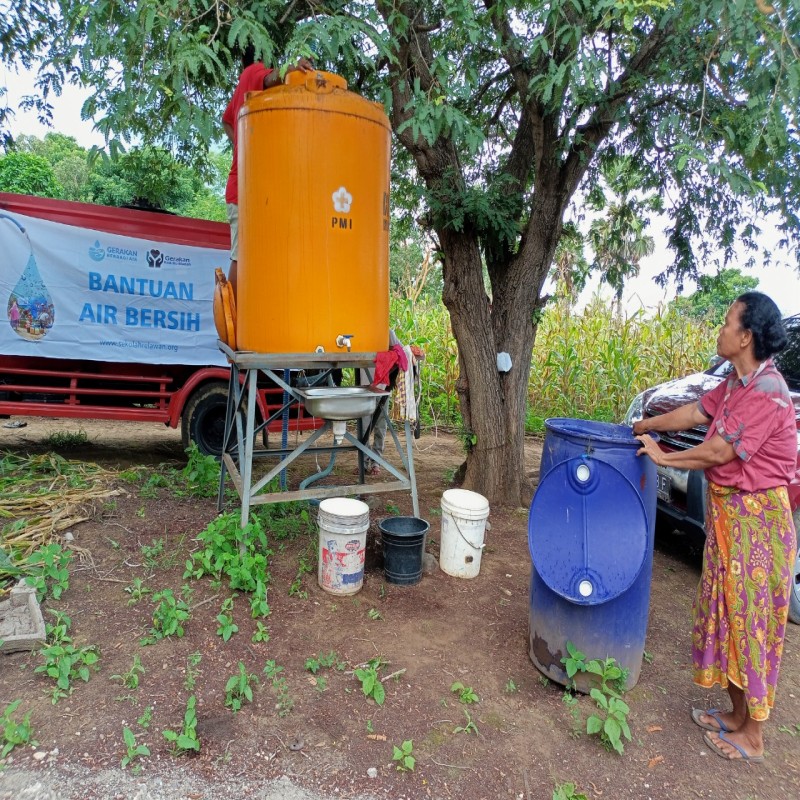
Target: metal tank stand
[(238, 452)]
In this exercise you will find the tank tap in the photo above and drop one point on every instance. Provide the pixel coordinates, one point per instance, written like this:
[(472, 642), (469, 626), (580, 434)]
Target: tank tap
[(343, 340)]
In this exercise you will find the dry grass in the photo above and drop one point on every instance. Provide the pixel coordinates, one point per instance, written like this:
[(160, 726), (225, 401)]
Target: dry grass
[(43, 496)]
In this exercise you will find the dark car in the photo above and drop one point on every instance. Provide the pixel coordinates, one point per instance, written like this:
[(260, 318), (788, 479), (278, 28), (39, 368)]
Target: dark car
[(681, 493)]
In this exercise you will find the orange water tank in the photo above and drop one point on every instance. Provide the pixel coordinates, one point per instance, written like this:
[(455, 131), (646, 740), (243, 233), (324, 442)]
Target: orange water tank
[(313, 219)]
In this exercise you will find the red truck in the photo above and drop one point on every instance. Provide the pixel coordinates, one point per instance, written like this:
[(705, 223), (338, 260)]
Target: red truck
[(110, 316)]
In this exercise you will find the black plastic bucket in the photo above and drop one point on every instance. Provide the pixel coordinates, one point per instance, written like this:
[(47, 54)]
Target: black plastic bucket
[(403, 544)]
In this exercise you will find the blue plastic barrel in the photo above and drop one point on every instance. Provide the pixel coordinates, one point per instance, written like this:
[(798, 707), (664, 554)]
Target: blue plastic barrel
[(590, 534)]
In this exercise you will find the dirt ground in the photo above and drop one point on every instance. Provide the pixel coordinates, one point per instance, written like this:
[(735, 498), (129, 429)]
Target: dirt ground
[(435, 633)]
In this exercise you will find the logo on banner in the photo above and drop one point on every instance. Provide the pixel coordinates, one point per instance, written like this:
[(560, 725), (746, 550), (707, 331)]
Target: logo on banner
[(155, 258), (97, 253)]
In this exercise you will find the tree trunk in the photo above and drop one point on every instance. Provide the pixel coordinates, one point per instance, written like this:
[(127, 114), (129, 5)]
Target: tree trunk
[(493, 404)]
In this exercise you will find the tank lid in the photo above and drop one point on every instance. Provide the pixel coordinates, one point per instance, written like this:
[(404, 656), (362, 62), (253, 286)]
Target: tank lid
[(587, 531), (316, 81)]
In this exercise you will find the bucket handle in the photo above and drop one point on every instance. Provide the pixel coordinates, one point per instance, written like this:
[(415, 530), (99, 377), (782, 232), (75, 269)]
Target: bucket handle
[(458, 528)]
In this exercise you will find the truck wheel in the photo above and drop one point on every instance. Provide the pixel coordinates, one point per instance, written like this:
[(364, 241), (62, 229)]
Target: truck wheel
[(794, 591), (203, 419)]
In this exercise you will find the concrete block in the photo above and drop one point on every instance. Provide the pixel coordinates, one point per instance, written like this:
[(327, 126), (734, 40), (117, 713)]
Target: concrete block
[(21, 623)]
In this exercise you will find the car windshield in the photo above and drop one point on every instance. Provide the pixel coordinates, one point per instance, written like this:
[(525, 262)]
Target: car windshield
[(788, 361)]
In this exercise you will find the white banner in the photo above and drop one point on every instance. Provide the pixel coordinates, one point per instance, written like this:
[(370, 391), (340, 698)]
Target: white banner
[(72, 292)]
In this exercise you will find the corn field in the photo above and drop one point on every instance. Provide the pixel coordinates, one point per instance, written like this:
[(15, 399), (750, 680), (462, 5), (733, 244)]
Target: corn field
[(586, 365)]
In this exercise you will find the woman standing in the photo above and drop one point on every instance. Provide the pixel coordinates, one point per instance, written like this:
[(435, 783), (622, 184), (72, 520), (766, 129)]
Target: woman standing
[(749, 457)]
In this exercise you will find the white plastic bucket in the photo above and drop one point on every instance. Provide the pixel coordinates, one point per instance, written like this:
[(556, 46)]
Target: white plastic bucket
[(464, 516), (343, 524)]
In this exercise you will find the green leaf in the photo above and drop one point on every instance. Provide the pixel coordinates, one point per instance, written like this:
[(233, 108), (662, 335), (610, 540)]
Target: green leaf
[(187, 742), (594, 724), (612, 729)]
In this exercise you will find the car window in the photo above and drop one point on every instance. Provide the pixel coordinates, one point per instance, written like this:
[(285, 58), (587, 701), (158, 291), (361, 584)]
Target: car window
[(788, 361)]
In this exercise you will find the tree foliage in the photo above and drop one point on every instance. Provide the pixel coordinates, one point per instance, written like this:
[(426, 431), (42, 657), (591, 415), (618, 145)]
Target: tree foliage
[(26, 173), (714, 295), (148, 177), (504, 114), (68, 160)]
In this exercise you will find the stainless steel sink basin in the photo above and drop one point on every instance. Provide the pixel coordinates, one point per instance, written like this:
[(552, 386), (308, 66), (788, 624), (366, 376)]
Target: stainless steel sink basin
[(333, 402)]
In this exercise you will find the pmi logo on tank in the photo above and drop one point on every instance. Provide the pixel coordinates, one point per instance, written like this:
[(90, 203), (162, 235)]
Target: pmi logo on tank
[(342, 200)]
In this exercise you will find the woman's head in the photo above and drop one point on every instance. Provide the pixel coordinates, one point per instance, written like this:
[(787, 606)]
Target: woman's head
[(762, 318)]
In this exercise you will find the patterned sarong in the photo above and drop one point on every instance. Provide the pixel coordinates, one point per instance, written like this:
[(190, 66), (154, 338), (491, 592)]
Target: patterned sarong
[(742, 601)]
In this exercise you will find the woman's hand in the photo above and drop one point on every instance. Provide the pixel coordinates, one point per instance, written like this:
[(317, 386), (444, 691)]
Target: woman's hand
[(640, 427), (649, 448)]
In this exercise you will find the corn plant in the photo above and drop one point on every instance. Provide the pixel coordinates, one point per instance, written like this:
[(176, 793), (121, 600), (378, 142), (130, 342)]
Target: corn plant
[(591, 364), (585, 364)]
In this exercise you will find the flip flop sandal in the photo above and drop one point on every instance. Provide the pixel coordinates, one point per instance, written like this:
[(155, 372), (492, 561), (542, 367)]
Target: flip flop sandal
[(714, 714), (715, 748)]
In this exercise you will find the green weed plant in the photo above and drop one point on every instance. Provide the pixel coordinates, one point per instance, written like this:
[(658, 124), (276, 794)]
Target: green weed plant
[(568, 791), (284, 703), (239, 689), (229, 551), (47, 570), (466, 694), (168, 617), (227, 627), (403, 756), (185, 740), (63, 662), (201, 473), (15, 732), (133, 750), (130, 679), (370, 680), (610, 722)]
